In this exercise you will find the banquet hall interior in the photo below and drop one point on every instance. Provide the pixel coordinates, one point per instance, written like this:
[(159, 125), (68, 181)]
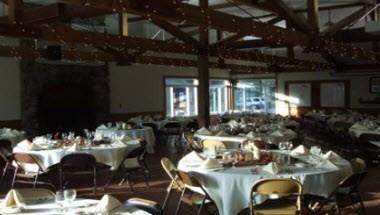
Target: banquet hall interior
[(226, 107)]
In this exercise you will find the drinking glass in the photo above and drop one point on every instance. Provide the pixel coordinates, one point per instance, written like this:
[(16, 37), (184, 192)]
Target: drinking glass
[(70, 195), (289, 145), (282, 146), (60, 200)]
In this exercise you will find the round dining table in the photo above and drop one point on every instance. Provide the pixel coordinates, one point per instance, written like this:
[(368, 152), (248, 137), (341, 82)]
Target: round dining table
[(145, 133), (109, 154), (229, 187)]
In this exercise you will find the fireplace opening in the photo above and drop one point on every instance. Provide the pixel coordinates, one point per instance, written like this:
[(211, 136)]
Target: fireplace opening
[(66, 107)]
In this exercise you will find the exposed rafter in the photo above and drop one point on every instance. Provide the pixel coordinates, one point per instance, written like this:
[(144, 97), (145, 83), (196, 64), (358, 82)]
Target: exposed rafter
[(345, 21)]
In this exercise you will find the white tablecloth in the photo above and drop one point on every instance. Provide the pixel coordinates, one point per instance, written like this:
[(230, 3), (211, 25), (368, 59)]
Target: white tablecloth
[(146, 133), (111, 155), (13, 138), (79, 206), (230, 188)]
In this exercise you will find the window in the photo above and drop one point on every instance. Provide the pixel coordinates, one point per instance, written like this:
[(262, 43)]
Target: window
[(181, 97), (218, 96), (255, 95)]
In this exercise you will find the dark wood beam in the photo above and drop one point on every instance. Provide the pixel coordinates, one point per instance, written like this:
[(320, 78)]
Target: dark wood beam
[(355, 35), (274, 20), (345, 21), (321, 8), (313, 15), (297, 21), (15, 8), (203, 73)]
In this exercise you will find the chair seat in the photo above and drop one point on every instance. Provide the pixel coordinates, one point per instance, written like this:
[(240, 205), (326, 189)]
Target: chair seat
[(194, 199), (275, 207)]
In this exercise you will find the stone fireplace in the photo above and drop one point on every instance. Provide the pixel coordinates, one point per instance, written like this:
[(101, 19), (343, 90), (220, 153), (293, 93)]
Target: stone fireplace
[(63, 97)]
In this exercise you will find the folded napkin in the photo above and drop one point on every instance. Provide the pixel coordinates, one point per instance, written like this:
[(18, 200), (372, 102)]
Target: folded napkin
[(233, 123), (250, 134), (204, 131), (13, 199), (272, 168), (277, 134), (102, 126), (27, 145), (108, 203), (98, 136), (211, 163), (73, 148), (331, 156), (300, 150), (194, 157), (118, 143)]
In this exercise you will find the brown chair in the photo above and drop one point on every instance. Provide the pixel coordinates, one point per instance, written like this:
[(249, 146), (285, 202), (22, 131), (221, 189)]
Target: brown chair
[(188, 196), (287, 191), (172, 129), (191, 144), (21, 175), (175, 184), (5, 157), (76, 164), (358, 165), (345, 194)]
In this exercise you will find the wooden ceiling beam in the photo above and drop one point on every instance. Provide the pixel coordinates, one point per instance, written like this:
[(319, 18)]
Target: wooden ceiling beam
[(297, 21), (15, 8), (196, 15), (345, 21), (355, 35), (313, 15)]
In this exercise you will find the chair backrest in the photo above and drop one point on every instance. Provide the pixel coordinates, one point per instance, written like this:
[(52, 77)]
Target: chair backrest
[(169, 167), (352, 182), (78, 161), (284, 188), (210, 145), (358, 165), (21, 159), (188, 179), (279, 186), (136, 153)]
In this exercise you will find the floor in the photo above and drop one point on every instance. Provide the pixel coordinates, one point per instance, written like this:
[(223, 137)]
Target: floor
[(159, 181)]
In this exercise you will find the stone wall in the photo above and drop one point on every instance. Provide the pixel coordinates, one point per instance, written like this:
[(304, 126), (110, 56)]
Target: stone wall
[(36, 76)]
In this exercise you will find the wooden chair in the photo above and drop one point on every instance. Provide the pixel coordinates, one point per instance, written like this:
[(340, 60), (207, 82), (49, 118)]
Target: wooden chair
[(175, 184), (5, 158), (77, 164), (21, 175), (288, 192), (345, 194), (172, 129), (189, 196), (358, 165), (191, 144)]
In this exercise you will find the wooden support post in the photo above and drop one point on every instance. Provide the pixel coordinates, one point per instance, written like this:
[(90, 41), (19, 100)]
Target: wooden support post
[(123, 24), (14, 11), (203, 73), (289, 49), (313, 15)]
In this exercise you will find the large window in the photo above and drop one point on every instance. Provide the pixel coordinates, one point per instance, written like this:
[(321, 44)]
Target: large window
[(181, 97), (255, 95), (218, 96)]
